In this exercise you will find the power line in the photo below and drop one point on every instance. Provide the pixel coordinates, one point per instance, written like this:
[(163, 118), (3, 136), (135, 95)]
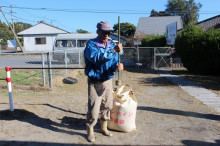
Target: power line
[(20, 18), (105, 11), (84, 10), (98, 11)]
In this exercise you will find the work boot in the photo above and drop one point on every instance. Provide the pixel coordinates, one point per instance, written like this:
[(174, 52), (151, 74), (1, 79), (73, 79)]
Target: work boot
[(104, 129), (90, 134)]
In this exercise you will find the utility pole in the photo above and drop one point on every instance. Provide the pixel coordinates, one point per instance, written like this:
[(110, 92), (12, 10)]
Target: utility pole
[(12, 29), (12, 18), (13, 25)]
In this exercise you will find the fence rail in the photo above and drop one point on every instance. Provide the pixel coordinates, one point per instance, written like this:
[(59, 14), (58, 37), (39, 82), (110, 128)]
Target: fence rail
[(145, 57)]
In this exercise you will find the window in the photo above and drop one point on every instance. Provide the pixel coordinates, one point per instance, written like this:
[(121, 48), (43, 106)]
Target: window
[(71, 43), (66, 43), (39, 41), (81, 43)]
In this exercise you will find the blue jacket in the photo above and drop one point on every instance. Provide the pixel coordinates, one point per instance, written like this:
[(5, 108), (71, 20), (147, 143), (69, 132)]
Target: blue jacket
[(101, 62)]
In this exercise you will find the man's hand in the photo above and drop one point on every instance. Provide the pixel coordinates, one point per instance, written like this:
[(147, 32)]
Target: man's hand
[(120, 66), (118, 48)]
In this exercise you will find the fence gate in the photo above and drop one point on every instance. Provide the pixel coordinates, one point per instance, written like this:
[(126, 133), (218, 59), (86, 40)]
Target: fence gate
[(162, 57), (151, 57)]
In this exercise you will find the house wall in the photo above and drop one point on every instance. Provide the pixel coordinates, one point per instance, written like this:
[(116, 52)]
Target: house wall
[(30, 46)]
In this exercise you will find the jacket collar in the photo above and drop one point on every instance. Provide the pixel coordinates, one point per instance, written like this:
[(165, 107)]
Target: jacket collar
[(99, 44)]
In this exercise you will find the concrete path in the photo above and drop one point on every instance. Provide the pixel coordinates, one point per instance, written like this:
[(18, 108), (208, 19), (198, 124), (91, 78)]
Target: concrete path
[(205, 96)]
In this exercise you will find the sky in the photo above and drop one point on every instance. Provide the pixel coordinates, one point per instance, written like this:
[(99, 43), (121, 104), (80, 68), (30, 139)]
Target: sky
[(71, 15)]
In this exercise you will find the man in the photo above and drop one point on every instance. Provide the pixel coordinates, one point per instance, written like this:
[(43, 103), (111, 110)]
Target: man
[(101, 59)]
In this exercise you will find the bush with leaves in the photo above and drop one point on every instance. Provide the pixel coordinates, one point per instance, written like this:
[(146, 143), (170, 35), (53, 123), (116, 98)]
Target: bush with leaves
[(199, 50), (154, 41)]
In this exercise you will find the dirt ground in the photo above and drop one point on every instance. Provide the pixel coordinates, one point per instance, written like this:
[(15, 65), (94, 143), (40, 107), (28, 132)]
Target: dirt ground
[(166, 115)]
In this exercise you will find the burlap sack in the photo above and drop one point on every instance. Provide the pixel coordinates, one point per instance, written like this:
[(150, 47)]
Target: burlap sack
[(123, 114)]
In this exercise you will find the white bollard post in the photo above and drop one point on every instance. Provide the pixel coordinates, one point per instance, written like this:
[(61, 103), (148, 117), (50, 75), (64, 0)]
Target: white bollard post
[(8, 79)]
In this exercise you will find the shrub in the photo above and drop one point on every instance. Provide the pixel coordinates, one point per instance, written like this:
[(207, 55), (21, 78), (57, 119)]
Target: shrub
[(154, 41), (199, 50)]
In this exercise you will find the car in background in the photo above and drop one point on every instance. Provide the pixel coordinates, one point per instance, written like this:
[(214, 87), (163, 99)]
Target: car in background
[(69, 47)]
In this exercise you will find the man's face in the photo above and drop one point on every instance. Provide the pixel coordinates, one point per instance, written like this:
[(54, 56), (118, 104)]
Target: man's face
[(103, 35)]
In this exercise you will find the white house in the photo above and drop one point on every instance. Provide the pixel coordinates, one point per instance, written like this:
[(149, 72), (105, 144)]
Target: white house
[(40, 37)]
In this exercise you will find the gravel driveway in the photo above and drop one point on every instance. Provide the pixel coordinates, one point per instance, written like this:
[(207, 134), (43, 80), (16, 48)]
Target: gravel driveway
[(166, 115)]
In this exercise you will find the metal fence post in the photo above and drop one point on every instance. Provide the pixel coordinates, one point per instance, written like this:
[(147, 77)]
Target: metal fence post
[(65, 54), (138, 56), (79, 58), (154, 58), (49, 70), (43, 70), (171, 58)]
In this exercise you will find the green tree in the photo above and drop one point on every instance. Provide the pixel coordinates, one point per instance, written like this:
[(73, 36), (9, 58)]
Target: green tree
[(160, 13), (81, 31), (187, 9), (20, 26), (6, 33), (126, 29), (153, 13)]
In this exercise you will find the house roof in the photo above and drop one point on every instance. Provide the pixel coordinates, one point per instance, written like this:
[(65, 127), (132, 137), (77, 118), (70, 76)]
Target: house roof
[(210, 22), (156, 25), (76, 36), (218, 16), (42, 28)]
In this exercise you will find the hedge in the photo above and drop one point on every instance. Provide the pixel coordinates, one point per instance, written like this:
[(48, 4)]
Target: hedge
[(199, 50), (154, 41)]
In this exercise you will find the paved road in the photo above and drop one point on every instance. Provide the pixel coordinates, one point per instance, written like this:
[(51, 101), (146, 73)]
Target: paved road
[(28, 61), (19, 61), (36, 62)]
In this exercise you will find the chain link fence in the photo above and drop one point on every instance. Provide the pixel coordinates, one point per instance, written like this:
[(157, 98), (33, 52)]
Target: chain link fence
[(5, 49), (150, 57), (58, 63)]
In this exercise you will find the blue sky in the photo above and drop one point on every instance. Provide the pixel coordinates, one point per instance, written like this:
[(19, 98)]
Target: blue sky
[(86, 13)]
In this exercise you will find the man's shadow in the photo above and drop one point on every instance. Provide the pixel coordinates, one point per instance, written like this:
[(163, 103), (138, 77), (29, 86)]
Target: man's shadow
[(79, 124), (58, 108), (74, 123), (31, 118)]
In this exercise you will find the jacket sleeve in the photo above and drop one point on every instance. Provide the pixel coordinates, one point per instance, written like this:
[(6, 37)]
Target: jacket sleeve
[(115, 62), (96, 55)]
